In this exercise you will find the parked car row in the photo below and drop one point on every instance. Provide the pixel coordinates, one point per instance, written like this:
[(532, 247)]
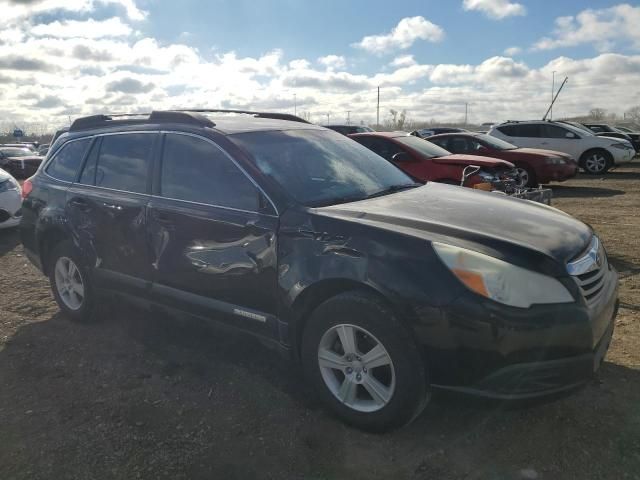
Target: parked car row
[(384, 289), (21, 162)]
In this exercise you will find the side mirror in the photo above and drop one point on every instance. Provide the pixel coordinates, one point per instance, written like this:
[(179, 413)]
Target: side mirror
[(402, 157)]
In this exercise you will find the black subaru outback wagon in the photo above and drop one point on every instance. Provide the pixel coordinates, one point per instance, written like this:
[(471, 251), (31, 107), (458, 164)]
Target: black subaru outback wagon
[(384, 289)]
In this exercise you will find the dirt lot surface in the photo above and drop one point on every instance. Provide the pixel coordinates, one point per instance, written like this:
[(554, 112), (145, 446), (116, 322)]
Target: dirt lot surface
[(141, 396)]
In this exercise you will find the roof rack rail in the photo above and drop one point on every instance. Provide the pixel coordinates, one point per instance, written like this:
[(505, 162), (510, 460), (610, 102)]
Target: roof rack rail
[(169, 116), (274, 116)]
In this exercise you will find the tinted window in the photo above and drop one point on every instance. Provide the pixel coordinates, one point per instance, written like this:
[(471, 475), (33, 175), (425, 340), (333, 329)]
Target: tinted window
[(197, 171), (383, 147), (522, 130), (425, 147), (319, 167), (88, 176), (553, 131), (443, 143), (123, 163), (66, 164)]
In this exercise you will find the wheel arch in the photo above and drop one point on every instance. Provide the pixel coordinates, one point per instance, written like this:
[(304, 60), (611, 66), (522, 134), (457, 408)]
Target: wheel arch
[(314, 295), (47, 242)]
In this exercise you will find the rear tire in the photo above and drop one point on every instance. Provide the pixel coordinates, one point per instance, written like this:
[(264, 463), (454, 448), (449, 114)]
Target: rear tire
[(70, 282), (596, 161), (377, 382)]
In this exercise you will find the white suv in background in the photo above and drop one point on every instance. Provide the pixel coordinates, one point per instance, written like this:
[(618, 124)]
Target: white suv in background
[(594, 154)]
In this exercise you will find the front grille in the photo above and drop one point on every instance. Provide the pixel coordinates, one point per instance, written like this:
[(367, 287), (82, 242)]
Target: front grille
[(592, 283), (590, 270)]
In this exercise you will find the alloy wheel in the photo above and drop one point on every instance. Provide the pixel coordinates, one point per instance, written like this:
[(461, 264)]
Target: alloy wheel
[(595, 163), (523, 177), (69, 283), (356, 368)]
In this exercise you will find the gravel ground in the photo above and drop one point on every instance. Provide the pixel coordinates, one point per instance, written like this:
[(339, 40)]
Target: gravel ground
[(136, 395)]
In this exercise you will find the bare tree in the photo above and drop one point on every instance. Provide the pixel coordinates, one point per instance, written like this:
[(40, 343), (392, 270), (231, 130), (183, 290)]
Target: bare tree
[(597, 114), (633, 114)]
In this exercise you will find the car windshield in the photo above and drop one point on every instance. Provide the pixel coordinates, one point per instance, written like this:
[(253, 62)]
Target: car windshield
[(321, 168), (496, 143), (424, 147), (16, 152)]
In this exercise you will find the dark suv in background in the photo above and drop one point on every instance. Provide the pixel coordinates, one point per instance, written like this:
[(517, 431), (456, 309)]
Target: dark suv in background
[(382, 288)]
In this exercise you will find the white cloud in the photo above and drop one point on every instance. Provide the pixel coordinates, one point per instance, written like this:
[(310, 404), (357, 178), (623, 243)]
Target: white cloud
[(495, 9), (402, 36), (112, 27), (403, 61), (15, 10), (333, 62), (46, 78), (512, 51), (604, 28)]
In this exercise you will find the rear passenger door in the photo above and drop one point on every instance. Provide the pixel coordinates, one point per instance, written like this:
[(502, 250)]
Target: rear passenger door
[(213, 237), (107, 210), (523, 135)]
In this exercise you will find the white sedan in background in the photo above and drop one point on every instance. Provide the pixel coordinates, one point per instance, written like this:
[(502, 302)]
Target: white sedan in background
[(10, 201)]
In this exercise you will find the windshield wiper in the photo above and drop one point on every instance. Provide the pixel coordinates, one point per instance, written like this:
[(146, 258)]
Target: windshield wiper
[(393, 189)]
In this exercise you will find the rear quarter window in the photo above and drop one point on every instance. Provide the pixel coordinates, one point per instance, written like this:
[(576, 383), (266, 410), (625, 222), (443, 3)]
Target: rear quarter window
[(67, 161)]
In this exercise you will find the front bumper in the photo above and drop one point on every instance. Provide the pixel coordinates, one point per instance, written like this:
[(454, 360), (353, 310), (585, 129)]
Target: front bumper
[(496, 352), (557, 173), (622, 156)]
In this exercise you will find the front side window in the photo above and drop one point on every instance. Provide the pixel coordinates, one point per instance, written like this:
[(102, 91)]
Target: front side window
[(383, 147), (425, 147), (553, 131), (123, 162), (319, 167), (197, 171), (67, 161)]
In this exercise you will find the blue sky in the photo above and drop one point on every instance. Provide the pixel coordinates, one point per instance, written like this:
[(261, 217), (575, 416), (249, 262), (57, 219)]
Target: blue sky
[(64, 58)]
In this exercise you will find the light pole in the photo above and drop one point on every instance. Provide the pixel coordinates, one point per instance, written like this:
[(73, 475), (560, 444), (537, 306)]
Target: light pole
[(348, 117), (295, 104), (553, 90), (378, 109), (328, 118)]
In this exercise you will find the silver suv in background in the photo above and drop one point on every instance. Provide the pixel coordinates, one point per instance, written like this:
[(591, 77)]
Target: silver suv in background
[(594, 154)]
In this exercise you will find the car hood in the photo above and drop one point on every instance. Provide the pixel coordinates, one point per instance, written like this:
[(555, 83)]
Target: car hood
[(458, 159), (518, 231)]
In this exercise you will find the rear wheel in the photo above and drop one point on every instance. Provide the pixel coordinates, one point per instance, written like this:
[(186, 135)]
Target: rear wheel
[(363, 363), (596, 162), (70, 282)]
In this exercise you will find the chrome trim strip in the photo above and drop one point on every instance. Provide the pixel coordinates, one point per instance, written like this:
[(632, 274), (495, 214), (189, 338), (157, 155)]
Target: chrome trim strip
[(160, 197)]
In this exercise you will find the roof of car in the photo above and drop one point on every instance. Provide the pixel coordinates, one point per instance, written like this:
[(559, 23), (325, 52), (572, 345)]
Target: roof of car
[(457, 134), (224, 121), (381, 134)]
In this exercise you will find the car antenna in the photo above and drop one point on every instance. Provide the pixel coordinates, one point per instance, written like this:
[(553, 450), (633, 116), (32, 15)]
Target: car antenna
[(555, 98)]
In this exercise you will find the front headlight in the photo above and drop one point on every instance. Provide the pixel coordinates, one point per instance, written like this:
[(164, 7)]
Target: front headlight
[(9, 184), (622, 146), (555, 161), (501, 281)]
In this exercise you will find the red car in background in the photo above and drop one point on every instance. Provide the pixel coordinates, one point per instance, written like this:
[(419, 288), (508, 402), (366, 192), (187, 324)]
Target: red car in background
[(426, 161), (534, 166)]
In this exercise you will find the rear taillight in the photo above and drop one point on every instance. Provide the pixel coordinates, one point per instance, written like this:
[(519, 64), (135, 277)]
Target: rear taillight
[(27, 186)]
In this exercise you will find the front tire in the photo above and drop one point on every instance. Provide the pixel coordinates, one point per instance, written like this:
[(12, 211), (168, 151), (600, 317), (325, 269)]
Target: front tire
[(70, 282), (596, 161), (526, 177), (363, 363)]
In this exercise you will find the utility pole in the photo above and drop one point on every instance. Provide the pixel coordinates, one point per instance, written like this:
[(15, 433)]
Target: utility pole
[(295, 104), (466, 112), (553, 91), (348, 117), (328, 118), (378, 108)]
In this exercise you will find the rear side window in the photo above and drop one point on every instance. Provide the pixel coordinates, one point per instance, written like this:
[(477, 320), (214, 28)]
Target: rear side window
[(522, 130), (123, 162), (197, 171), (66, 163)]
